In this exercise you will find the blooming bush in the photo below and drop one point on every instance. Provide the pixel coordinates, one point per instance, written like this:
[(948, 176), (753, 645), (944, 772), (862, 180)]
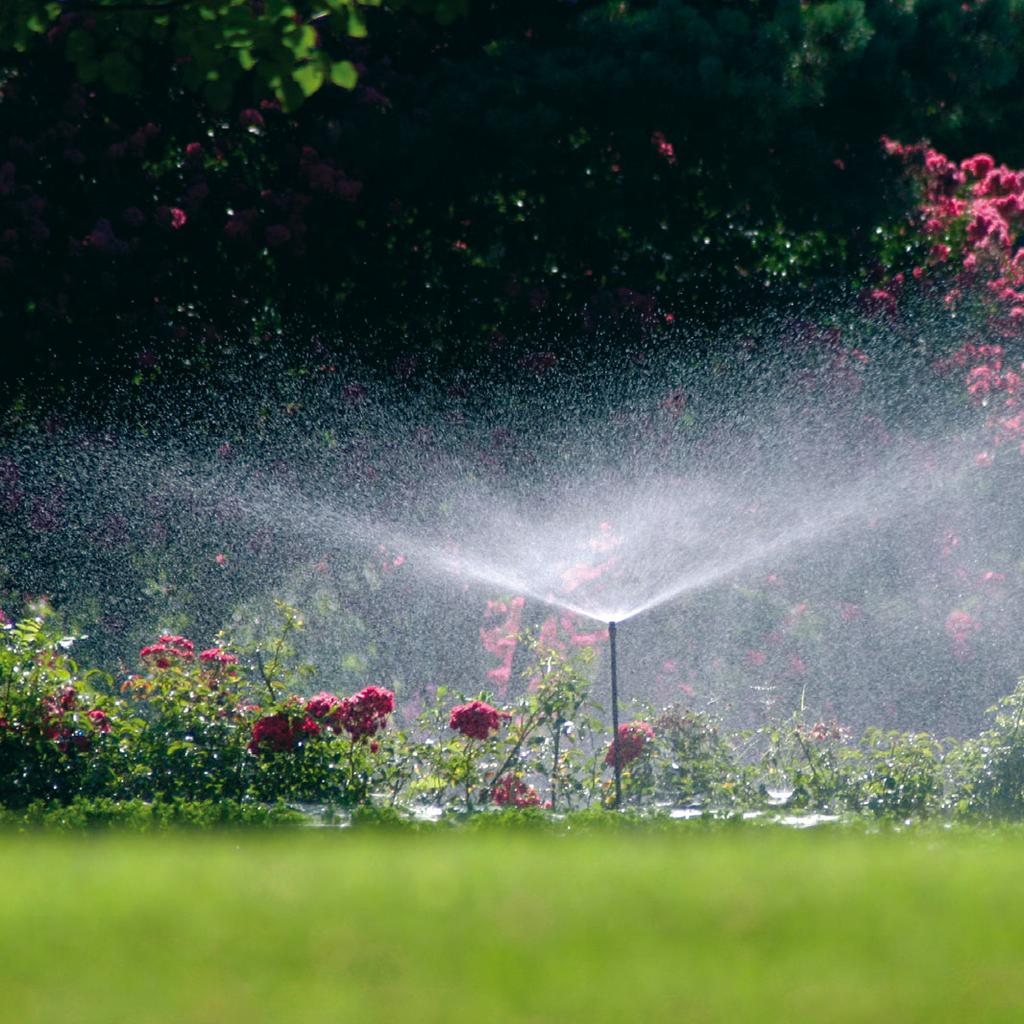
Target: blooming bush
[(186, 732), (545, 737), (60, 735), (970, 216), (189, 723)]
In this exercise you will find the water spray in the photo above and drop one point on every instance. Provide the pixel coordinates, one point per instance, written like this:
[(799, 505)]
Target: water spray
[(616, 752)]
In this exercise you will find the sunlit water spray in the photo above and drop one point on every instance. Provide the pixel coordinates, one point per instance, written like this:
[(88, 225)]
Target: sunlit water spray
[(612, 550), (767, 545)]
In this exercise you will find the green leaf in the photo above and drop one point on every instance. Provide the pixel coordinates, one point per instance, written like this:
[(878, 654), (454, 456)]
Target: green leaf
[(309, 78), (356, 23), (344, 74), (246, 59), (300, 39), (289, 95)]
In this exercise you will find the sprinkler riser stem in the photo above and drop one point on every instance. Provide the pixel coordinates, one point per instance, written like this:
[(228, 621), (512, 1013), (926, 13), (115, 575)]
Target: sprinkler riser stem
[(617, 754)]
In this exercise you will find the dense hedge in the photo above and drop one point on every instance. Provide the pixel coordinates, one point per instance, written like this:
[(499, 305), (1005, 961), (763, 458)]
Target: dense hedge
[(523, 168)]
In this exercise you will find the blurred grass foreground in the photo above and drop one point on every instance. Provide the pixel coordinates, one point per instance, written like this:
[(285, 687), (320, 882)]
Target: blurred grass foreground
[(697, 925)]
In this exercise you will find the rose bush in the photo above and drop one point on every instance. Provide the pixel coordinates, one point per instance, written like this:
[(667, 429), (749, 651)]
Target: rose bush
[(187, 733)]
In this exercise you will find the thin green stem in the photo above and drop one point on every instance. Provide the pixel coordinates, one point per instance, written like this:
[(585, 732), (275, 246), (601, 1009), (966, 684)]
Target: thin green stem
[(554, 766), (808, 755), (265, 677), (528, 728)]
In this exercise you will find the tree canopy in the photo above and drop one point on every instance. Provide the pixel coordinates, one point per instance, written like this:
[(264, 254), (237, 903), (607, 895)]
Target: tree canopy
[(445, 175)]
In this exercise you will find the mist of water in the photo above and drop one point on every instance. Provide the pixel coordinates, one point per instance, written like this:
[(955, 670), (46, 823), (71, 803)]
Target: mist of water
[(758, 536)]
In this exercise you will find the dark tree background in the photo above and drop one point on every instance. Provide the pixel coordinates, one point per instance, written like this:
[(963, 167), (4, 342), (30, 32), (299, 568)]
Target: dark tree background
[(463, 181)]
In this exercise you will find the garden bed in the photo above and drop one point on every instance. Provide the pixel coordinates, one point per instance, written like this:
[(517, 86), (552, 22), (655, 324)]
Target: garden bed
[(228, 737)]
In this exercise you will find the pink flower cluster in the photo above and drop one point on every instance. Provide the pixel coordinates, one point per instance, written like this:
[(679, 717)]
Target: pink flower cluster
[(168, 651), (960, 626), (629, 744), (974, 212), (500, 639), (826, 732), (217, 657), (477, 719), (65, 699), (367, 712), (663, 147), (100, 720), (65, 732), (984, 200), (510, 790), (361, 715), (280, 732)]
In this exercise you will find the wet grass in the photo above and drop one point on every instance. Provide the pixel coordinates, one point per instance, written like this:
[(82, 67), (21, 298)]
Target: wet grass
[(699, 924)]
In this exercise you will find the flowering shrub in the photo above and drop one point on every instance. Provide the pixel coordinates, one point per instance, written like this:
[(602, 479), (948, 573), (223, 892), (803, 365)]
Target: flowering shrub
[(59, 735), (189, 735), (189, 723), (548, 735), (971, 215)]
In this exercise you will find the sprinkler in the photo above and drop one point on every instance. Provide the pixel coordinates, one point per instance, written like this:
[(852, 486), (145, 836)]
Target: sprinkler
[(616, 753)]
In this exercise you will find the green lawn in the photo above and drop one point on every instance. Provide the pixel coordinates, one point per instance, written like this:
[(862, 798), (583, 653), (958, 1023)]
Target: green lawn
[(698, 925)]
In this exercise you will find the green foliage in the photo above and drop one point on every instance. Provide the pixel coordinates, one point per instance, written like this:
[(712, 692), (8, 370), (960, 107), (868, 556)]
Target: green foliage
[(61, 732), (589, 166), (987, 771), (888, 774), (183, 742), (136, 815), (277, 46), (897, 774), (695, 764)]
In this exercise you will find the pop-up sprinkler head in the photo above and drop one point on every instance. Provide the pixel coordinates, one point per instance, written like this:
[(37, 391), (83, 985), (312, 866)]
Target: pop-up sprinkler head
[(616, 752)]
